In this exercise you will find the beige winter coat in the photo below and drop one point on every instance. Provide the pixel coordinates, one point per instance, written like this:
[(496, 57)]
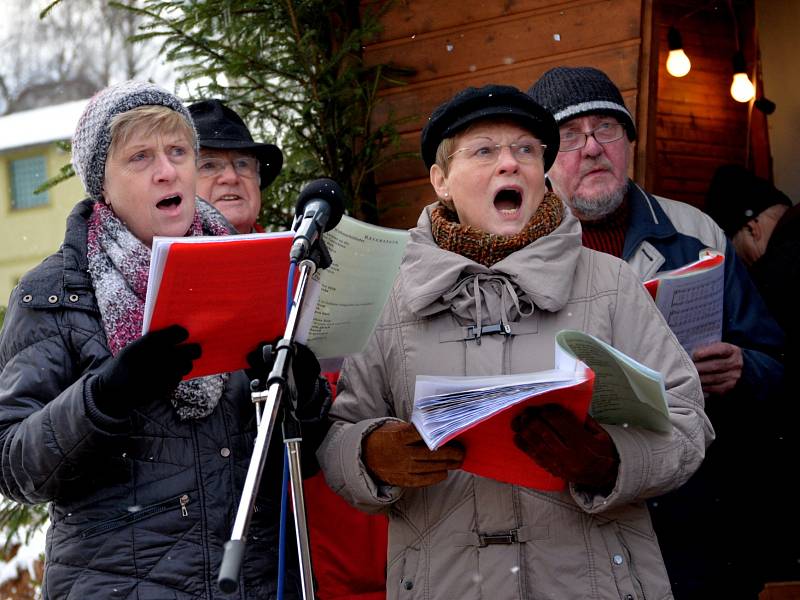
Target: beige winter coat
[(566, 545)]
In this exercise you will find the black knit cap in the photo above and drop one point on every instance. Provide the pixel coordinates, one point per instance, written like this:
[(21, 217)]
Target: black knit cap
[(736, 195), (570, 92), (489, 102), (220, 128)]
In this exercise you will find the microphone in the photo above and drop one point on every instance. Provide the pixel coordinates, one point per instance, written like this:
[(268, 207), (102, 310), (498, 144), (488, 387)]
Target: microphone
[(320, 207)]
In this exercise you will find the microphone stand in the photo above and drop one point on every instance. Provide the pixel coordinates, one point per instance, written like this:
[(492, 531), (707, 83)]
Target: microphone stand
[(266, 417)]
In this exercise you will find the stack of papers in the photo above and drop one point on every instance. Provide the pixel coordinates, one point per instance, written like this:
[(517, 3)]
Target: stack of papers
[(590, 376)]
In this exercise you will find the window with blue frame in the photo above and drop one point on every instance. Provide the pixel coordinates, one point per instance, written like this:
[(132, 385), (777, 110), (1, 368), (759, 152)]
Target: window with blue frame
[(27, 174)]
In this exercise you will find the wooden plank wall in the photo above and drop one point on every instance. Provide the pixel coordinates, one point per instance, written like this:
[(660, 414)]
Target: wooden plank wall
[(698, 126), (452, 45)]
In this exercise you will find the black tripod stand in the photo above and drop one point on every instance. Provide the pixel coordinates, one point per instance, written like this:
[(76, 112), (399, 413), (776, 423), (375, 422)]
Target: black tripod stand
[(270, 400), (319, 206)]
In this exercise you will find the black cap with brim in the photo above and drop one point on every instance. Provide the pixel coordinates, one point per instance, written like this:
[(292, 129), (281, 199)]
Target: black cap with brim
[(736, 195), (220, 128), (489, 102)]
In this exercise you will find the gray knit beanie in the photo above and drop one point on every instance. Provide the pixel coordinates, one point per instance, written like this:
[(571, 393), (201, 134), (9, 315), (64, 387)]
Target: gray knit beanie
[(570, 92), (92, 137)]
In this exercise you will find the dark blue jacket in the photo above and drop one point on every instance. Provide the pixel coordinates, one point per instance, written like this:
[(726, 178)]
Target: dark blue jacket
[(710, 529), (663, 235), (140, 507)]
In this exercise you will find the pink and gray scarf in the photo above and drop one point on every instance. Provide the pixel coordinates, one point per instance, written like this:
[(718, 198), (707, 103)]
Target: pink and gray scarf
[(119, 264)]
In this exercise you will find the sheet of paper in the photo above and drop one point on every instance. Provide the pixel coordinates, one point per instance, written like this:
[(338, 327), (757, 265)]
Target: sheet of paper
[(625, 391), (692, 307), (690, 298), (353, 290)]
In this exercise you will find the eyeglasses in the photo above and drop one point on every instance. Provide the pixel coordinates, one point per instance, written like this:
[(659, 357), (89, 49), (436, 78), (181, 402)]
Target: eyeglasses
[(244, 166), (489, 154), (605, 133)]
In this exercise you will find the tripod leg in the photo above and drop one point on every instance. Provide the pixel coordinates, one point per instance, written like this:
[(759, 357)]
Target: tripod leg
[(230, 568), (301, 526)]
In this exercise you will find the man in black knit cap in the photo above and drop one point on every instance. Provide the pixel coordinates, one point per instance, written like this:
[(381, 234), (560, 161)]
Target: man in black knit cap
[(707, 548)]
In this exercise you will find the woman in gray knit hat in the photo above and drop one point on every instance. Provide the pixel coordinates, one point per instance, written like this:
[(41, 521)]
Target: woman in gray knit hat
[(142, 470)]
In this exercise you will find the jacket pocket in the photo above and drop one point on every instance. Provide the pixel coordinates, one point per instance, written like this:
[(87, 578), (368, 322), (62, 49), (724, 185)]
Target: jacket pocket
[(402, 581), (180, 504), (620, 558)]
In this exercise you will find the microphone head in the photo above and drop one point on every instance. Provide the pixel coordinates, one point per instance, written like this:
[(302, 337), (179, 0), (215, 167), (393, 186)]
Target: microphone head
[(328, 191)]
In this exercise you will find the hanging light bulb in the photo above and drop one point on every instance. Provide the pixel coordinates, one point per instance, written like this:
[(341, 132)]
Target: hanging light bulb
[(678, 64), (742, 89)]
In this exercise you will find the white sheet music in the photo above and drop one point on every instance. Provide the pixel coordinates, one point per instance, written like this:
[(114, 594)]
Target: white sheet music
[(366, 260), (692, 306)]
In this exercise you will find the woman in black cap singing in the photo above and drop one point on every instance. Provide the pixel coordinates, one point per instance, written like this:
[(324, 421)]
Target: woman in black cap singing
[(494, 268)]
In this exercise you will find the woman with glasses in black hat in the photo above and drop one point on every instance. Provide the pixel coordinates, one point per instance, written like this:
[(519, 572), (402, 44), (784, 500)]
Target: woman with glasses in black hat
[(232, 169), (494, 268)]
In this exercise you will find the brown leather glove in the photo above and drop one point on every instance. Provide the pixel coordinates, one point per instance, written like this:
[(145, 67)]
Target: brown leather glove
[(395, 454), (581, 453)]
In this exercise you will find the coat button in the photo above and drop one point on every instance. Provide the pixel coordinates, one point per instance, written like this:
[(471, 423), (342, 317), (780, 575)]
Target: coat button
[(52, 299), (225, 452), (27, 298), (408, 584), (73, 297), (617, 558)]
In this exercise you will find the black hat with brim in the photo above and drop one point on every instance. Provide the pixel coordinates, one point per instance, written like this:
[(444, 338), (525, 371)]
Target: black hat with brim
[(737, 195), (489, 102), (220, 128)]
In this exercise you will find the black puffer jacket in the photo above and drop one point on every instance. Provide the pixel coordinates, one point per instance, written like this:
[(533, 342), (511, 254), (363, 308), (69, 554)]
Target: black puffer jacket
[(140, 508)]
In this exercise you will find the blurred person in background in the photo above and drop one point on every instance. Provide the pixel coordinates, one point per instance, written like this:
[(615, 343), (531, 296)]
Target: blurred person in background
[(232, 169)]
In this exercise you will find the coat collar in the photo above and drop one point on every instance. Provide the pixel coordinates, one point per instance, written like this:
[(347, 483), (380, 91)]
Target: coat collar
[(647, 221), (542, 271), (63, 278)]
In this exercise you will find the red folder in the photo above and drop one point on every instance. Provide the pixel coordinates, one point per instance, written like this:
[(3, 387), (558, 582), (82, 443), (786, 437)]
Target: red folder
[(489, 444), (230, 295), (709, 261)]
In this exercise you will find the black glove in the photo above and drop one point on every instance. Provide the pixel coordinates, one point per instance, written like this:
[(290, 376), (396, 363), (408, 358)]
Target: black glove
[(147, 369), (260, 361), (579, 452), (312, 390)]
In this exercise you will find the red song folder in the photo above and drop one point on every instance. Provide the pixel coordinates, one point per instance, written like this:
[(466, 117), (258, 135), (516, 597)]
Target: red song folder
[(489, 445), (228, 292)]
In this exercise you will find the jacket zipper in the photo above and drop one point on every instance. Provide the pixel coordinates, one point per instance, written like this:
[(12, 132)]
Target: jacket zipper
[(128, 519)]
